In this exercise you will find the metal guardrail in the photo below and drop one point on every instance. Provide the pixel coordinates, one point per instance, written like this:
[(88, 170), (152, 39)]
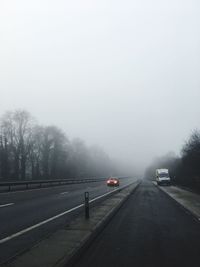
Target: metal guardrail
[(55, 182), (27, 184)]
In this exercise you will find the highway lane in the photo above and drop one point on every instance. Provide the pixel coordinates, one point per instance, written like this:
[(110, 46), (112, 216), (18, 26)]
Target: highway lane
[(150, 230), (34, 206), (32, 210), (22, 195)]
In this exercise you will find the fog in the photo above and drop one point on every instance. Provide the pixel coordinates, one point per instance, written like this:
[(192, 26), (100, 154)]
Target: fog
[(120, 74)]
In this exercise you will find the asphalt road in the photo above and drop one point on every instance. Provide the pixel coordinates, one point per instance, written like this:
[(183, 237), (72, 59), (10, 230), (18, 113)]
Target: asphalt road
[(24, 209), (149, 230)]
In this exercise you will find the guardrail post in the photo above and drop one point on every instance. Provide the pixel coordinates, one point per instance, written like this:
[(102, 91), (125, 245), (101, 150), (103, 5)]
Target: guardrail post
[(87, 207)]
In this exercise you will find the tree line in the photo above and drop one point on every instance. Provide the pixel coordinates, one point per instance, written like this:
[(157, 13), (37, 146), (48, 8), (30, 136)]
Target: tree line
[(185, 169), (31, 151)]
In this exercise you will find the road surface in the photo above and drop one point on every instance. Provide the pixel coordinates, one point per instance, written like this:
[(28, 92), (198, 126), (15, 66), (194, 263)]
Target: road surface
[(24, 210), (149, 230)]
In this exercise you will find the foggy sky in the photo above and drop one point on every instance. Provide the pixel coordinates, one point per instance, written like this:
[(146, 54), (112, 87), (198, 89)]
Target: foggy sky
[(120, 74)]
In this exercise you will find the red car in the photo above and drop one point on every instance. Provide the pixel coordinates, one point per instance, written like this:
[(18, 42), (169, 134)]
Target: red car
[(113, 181)]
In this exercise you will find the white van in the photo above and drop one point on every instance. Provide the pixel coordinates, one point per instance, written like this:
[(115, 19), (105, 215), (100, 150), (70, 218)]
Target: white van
[(162, 177)]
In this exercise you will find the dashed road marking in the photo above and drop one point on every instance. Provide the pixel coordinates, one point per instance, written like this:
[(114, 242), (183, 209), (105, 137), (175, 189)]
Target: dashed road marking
[(64, 193), (6, 205)]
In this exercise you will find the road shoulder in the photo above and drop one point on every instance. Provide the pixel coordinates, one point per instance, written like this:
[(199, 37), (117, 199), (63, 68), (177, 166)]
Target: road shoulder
[(187, 199)]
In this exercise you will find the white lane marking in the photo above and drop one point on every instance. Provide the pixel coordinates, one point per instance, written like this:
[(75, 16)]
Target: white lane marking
[(63, 193), (6, 205), (54, 217), (38, 224)]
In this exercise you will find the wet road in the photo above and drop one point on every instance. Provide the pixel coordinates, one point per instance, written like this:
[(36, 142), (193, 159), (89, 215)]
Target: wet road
[(150, 230)]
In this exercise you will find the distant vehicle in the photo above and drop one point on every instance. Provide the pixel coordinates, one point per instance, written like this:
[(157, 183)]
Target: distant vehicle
[(113, 181), (162, 177)]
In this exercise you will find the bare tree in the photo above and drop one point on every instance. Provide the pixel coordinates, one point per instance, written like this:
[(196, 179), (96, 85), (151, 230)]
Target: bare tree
[(54, 152), (16, 130), (191, 158), (8, 134), (30, 151), (35, 156)]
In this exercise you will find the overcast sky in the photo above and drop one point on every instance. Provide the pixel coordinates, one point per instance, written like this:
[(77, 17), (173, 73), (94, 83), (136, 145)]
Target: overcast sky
[(121, 74)]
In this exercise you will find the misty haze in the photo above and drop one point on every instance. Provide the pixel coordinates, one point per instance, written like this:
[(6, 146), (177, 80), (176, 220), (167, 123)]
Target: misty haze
[(100, 98)]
